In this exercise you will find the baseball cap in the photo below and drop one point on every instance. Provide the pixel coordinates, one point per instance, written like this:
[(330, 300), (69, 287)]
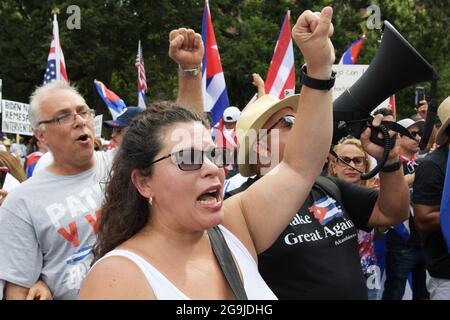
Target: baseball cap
[(124, 120), (408, 122), (231, 114)]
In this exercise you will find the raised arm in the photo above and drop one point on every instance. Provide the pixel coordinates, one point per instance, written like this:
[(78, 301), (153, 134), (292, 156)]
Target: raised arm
[(270, 204), (186, 49), (392, 206), (258, 82)]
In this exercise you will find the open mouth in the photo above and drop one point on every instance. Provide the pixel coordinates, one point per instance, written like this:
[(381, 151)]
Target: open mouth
[(83, 138), (210, 197)]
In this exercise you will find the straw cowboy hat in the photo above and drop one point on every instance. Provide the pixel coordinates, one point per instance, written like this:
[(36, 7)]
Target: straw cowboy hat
[(252, 119), (444, 116)]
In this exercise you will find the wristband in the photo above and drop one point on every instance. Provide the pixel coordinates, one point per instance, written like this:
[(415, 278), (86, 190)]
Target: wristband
[(191, 72), (392, 167), (316, 83)]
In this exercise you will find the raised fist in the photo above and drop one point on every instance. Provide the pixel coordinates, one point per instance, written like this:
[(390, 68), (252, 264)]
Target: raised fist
[(186, 48), (312, 34)]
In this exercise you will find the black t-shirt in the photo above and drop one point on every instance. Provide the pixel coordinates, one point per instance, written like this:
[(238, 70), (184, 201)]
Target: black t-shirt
[(316, 256), (428, 187)]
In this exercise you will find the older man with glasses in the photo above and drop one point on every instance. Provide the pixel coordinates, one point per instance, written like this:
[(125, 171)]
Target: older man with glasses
[(48, 224)]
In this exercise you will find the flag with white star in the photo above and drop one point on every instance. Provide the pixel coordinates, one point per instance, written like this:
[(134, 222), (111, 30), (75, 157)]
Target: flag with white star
[(56, 66)]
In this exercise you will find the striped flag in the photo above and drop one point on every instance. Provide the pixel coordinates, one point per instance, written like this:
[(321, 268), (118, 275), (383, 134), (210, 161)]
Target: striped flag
[(445, 208), (142, 80), (351, 54), (115, 104), (214, 87), (56, 66), (280, 81)]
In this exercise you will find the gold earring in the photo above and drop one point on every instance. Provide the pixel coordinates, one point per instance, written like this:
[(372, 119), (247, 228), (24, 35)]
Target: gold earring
[(150, 200)]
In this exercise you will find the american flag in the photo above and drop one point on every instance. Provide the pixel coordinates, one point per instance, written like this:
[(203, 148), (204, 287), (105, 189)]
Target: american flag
[(142, 80), (56, 66), (280, 81)]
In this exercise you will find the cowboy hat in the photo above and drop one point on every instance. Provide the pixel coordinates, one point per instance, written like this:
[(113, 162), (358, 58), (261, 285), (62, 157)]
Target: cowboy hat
[(251, 120), (444, 116)]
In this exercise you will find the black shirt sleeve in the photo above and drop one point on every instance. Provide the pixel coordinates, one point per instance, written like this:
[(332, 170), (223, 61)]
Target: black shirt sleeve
[(358, 201), (428, 184)]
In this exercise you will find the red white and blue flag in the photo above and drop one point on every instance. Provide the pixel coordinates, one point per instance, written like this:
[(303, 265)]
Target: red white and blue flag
[(115, 104), (142, 80), (280, 80), (445, 208), (214, 88), (56, 66), (325, 210), (351, 54)]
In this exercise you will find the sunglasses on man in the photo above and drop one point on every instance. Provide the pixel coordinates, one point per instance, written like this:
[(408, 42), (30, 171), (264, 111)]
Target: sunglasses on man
[(193, 159), (285, 122)]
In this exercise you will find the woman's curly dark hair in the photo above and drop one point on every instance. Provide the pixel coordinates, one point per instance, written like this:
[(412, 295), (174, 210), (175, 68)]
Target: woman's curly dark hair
[(125, 211)]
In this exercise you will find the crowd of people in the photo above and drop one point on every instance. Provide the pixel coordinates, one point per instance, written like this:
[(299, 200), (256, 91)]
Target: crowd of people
[(257, 209)]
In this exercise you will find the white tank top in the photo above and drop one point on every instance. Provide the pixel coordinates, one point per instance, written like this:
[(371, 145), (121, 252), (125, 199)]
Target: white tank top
[(255, 287)]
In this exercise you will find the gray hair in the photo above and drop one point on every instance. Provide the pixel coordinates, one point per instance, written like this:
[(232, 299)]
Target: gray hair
[(42, 92)]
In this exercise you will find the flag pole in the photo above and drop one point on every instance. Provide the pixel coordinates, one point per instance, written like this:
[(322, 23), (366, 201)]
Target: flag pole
[(18, 145)]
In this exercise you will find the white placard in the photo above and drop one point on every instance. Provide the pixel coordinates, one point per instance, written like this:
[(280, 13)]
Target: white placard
[(98, 122), (346, 76), (15, 118)]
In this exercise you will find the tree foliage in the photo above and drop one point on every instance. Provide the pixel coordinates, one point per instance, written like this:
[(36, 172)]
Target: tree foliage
[(246, 31)]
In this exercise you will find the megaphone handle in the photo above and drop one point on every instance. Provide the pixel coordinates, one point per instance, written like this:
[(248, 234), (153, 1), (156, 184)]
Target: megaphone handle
[(387, 148)]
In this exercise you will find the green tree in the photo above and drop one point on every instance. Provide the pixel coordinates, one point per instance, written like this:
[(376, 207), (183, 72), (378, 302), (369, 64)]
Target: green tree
[(246, 31)]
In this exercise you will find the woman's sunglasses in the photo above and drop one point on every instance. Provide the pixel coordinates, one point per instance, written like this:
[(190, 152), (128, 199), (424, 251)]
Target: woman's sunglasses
[(344, 161), (192, 159)]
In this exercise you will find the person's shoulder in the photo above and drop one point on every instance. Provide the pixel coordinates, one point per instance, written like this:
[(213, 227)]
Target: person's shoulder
[(117, 278)]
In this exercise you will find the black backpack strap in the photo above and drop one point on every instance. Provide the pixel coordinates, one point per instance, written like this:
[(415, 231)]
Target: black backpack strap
[(330, 187), (227, 264)]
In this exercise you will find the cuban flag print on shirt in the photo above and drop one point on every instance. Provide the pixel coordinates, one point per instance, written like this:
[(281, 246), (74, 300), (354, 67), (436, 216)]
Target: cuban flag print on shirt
[(280, 80), (115, 104), (214, 88), (56, 66), (325, 210)]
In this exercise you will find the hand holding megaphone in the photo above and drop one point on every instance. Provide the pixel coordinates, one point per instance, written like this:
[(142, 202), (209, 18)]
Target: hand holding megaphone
[(375, 149), (312, 34)]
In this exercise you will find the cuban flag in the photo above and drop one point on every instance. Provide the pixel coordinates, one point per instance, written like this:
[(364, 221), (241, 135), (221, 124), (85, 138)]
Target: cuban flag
[(214, 88), (445, 208), (56, 66), (115, 104), (351, 54), (280, 80), (142, 80), (325, 210)]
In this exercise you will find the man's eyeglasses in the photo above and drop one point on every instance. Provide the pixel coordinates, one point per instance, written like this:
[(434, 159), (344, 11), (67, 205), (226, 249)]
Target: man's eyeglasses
[(345, 161), (285, 121), (414, 134), (192, 159), (69, 118)]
